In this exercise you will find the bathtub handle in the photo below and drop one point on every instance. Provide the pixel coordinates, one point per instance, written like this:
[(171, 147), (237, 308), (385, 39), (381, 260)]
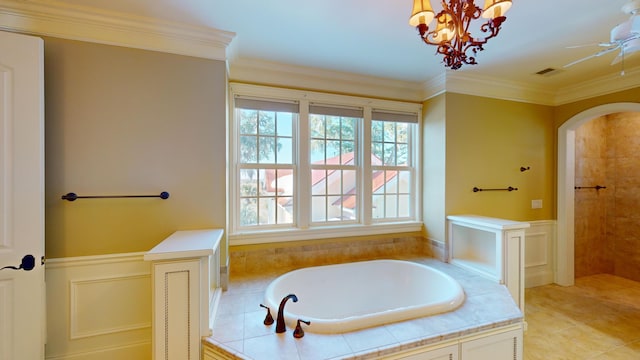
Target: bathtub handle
[(298, 332), (268, 320)]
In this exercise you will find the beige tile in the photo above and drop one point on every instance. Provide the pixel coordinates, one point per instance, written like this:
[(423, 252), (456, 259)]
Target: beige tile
[(321, 346), (369, 339), (272, 347), (598, 318)]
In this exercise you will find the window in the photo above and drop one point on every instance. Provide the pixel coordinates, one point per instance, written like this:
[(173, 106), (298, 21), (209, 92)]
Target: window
[(391, 165), (334, 163), (265, 162), (307, 165)]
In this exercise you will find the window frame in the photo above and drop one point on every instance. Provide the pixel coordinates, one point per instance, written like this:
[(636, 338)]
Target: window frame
[(302, 227)]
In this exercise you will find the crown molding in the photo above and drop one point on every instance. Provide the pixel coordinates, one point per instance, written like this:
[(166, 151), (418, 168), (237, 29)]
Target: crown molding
[(599, 86), (51, 18), (434, 86), (469, 84), (496, 88), (299, 77)]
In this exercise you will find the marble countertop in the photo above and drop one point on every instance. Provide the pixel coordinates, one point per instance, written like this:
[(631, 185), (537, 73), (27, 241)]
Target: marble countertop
[(240, 333)]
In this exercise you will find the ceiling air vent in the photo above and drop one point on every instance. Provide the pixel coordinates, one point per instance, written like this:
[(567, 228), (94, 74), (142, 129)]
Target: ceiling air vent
[(548, 72)]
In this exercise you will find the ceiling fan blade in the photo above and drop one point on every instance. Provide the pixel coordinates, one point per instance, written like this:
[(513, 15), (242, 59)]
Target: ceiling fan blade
[(580, 60), (599, 53), (590, 45)]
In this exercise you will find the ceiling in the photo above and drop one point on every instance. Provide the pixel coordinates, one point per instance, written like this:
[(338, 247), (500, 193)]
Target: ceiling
[(373, 37)]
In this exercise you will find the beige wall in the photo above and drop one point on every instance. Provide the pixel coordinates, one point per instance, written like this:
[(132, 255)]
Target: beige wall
[(488, 140), (434, 185), (128, 121), (471, 141)]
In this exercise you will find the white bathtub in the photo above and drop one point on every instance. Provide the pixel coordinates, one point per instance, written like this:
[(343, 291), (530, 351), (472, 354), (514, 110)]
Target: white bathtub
[(346, 297)]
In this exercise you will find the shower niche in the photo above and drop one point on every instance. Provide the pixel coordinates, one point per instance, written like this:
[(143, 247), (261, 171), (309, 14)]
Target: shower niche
[(490, 247)]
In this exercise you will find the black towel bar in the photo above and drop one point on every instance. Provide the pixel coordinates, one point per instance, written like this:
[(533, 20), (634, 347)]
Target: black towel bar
[(597, 187), (510, 188), (73, 196)]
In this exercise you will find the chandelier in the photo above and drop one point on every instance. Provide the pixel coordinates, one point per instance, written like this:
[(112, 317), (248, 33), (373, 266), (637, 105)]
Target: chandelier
[(451, 34)]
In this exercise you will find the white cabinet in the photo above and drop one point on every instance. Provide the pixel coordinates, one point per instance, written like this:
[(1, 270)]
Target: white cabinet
[(498, 344), (503, 346), (176, 319), (447, 352), (186, 273), (491, 247)]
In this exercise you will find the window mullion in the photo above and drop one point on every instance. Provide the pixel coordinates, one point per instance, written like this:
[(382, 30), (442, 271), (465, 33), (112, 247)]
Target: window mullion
[(304, 168), (365, 170)]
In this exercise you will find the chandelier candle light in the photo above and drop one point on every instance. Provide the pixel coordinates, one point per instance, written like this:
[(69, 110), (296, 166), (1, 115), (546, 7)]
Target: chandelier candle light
[(451, 34)]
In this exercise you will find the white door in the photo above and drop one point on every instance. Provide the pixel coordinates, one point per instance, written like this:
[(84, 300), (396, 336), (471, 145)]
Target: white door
[(22, 302)]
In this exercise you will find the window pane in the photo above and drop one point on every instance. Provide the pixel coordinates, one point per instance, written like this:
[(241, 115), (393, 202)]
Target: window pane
[(316, 126), (318, 182), (391, 205), (376, 149), (248, 121), (265, 179), (267, 123), (348, 129), (267, 150), (285, 124), (285, 210), (267, 211), (335, 208), (333, 150), (389, 154), (248, 212), (285, 182), (404, 204), (333, 127), (349, 185), (378, 206), (376, 131), (348, 153), (319, 209), (248, 183), (404, 182), (248, 147), (285, 151), (402, 132), (334, 182), (389, 131), (402, 154), (317, 151)]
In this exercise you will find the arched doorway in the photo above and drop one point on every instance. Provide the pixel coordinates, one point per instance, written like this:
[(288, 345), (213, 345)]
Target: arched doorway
[(564, 274)]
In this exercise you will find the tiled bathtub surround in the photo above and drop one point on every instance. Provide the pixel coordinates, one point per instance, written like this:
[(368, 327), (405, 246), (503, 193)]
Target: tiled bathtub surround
[(289, 256), (238, 328), (607, 222)]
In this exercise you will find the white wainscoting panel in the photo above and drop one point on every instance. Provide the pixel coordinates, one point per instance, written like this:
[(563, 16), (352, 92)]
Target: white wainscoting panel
[(99, 307), (539, 253)]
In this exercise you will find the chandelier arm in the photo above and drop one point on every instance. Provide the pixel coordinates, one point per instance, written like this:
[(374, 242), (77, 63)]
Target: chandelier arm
[(455, 19)]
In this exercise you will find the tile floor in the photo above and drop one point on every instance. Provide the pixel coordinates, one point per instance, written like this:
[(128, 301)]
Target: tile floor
[(597, 319)]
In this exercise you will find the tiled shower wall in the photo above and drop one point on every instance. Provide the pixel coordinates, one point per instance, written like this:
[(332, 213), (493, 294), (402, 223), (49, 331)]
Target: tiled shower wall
[(607, 221)]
